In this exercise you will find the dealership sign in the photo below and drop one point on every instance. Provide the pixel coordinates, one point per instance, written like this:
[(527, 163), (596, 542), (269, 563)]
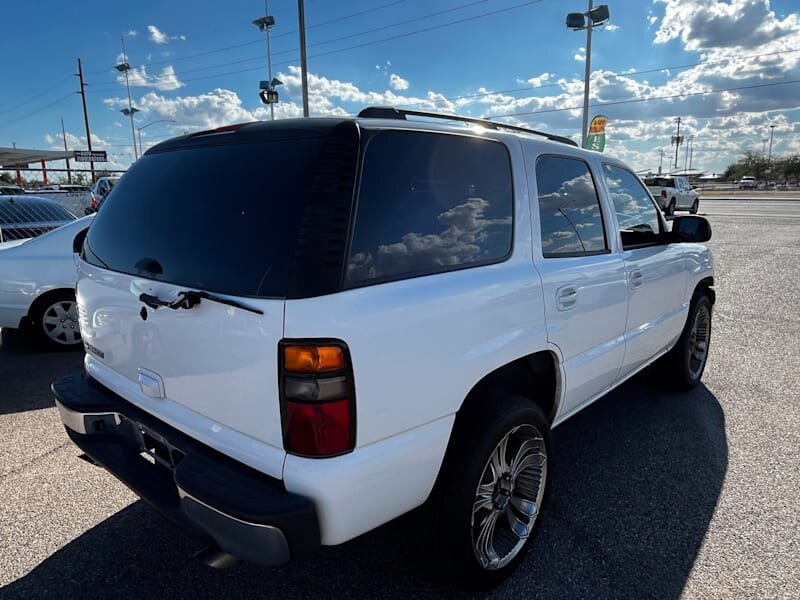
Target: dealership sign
[(95, 156)]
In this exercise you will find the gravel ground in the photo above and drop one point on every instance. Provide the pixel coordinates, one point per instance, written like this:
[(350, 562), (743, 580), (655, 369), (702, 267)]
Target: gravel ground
[(654, 494)]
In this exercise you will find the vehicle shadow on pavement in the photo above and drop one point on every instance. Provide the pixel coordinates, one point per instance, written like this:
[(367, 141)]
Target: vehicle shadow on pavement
[(635, 481), (23, 368)]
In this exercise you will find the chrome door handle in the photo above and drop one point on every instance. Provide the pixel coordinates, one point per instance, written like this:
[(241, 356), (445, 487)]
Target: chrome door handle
[(636, 279), (566, 297)]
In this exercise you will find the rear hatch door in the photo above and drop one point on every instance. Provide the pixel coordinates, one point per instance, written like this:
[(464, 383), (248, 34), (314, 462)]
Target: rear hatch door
[(218, 217)]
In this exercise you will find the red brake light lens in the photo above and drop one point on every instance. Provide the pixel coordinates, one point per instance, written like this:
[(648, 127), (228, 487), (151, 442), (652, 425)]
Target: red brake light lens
[(317, 398), (318, 429)]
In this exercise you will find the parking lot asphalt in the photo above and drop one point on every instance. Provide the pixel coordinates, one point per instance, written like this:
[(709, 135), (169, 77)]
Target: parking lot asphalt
[(654, 494)]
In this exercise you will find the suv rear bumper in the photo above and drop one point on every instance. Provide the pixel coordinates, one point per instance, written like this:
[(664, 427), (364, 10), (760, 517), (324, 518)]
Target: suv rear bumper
[(244, 512)]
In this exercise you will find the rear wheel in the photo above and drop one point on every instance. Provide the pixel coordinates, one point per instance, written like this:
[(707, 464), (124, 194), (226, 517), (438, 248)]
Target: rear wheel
[(486, 507), (670, 211), (55, 321)]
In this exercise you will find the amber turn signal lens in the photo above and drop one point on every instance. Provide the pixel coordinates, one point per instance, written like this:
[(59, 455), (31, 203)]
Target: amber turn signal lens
[(312, 359)]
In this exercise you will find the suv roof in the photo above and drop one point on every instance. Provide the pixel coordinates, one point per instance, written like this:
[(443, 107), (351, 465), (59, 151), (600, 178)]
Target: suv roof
[(388, 117)]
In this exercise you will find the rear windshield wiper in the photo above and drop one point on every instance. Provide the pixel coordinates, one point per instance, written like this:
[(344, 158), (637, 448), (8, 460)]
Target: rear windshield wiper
[(191, 298)]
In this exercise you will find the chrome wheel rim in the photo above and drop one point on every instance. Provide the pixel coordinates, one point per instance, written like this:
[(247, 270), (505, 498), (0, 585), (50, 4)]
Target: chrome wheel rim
[(699, 338), (508, 497), (60, 323)]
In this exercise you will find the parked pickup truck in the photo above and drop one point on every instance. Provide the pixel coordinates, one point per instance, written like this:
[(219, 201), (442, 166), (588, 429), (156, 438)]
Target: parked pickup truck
[(673, 193), (389, 313)]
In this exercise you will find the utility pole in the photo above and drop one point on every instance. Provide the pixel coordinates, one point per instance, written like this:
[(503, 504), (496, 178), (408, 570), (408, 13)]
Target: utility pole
[(301, 16), (691, 151), (677, 141), (85, 114), (587, 73), (64, 137), (661, 160)]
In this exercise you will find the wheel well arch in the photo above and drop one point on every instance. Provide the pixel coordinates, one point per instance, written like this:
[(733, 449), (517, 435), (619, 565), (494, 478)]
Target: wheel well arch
[(536, 376), (41, 300), (706, 286)]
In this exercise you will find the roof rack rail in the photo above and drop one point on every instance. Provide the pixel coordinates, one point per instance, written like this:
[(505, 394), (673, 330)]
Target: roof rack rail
[(389, 112)]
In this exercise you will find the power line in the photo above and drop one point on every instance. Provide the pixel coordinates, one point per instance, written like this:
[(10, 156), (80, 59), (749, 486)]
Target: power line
[(49, 88), (365, 44), (631, 74), (37, 111), (648, 99), (256, 42), (325, 42)]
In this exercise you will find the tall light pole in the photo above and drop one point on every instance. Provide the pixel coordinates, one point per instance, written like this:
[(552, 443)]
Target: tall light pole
[(124, 67), (769, 159), (686, 154), (268, 95), (139, 130), (301, 17), (64, 137), (677, 140), (661, 160), (594, 17), (691, 150)]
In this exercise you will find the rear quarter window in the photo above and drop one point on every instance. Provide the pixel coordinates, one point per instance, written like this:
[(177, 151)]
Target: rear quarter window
[(430, 203)]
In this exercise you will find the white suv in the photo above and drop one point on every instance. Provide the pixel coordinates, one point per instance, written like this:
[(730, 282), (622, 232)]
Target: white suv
[(357, 317)]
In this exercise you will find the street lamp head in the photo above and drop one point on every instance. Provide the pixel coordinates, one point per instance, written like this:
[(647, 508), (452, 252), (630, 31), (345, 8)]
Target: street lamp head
[(264, 23), (129, 112), (576, 21), (123, 67), (275, 81), (599, 15)]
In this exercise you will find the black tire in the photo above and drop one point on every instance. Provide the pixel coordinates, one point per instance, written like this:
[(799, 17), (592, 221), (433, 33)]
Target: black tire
[(670, 210), (680, 368), (63, 336), (449, 522), (695, 206)]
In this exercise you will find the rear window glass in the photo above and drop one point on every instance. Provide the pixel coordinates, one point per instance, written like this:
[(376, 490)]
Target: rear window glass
[(29, 210), (430, 203), (218, 218), (659, 181)]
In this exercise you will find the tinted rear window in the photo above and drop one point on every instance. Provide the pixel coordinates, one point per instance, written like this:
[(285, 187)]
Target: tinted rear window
[(659, 181), (31, 210), (219, 218)]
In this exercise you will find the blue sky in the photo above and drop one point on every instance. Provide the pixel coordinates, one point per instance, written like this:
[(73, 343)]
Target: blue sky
[(198, 64)]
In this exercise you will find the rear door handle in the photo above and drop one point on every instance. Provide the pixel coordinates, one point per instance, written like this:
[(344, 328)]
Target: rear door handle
[(636, 279), (566, 297)]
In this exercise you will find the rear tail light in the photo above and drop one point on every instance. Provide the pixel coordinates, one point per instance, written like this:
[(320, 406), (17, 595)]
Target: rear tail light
[(317, 398), (663, 193)]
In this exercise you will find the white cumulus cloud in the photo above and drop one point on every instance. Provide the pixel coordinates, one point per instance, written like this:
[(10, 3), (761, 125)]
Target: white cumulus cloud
[(397, 82)]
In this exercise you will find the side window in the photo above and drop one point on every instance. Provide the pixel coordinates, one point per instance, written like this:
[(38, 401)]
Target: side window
[(637, 215), (430, 203), (570, 218)]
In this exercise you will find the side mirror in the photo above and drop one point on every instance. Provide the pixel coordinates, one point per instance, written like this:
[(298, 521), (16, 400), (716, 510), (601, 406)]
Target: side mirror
[(77, 241), (691, 229)]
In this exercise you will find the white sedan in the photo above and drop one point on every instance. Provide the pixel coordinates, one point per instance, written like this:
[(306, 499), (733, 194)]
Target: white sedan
[(37, 286)]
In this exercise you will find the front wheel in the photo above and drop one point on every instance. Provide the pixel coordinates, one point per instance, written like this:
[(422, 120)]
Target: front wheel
[(695, 206), (487, 504), (683, 366)]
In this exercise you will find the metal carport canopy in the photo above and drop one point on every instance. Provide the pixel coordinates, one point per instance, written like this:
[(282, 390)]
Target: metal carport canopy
[(11, 157)]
